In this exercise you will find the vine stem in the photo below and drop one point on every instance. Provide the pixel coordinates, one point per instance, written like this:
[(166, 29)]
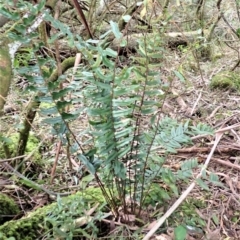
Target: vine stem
[(218, 136)]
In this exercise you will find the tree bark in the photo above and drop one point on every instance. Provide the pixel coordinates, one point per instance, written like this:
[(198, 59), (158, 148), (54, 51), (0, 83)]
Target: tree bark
[(5, 73)]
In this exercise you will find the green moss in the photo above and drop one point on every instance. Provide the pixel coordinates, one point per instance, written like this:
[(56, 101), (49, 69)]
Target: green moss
[(31, 145), (226, 81), (90, 194), (216, 53), (7, 207), (42, 220)]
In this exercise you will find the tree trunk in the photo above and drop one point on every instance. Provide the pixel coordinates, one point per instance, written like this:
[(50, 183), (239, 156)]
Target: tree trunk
[(5, 73)]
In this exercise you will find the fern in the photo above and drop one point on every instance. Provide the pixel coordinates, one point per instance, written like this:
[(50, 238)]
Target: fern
[(186, 169), (124, 123), (201, 128)]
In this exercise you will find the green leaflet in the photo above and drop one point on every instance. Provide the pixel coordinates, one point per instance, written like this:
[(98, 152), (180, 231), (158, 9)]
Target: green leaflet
[(115, 30)]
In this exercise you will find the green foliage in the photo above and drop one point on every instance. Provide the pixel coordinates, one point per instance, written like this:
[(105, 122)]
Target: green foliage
[(23, 57), (205, 181), (186, 169), (158, 195), (9, 14), (186, 215), (120, 107), (201, 129), (180, 233), (172, 135), (124, 124), (67, 219), (39, 223)]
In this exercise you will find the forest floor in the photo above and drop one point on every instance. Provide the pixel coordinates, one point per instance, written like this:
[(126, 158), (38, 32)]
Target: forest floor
[(197, 101), (193, 100)]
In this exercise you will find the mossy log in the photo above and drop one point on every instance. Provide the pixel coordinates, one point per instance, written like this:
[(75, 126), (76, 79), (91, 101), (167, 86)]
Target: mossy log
[(31, 226), (8, 208), (226, 80)]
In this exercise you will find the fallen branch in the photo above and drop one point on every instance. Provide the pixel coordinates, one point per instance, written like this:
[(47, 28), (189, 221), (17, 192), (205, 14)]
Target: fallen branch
[(227, 163), (194, 149), (221, 149)]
